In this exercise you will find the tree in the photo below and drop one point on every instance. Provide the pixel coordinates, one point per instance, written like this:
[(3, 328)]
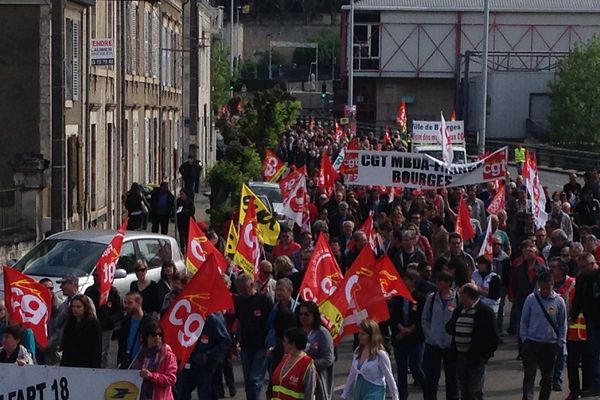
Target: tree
[(329, 47), (575, 96), (220, 74)]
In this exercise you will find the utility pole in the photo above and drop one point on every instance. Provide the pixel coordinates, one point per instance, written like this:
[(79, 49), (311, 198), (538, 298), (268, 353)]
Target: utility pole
[(351, 55), (59, 149), (193, 81), (231, 24), (484, 64)]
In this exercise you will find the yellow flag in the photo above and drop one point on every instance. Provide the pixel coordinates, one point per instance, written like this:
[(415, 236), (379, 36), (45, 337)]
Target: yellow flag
[(232, 239), (268, 227)]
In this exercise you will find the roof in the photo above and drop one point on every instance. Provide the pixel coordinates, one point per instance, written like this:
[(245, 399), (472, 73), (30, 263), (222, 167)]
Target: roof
[(561, 6), (102, 236)]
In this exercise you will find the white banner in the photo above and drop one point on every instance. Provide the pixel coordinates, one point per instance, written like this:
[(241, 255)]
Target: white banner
[(37, 382), (419, 171), (428, 132)]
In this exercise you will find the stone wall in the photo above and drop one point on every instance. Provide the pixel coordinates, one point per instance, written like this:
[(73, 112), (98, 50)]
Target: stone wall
[(16, 249)]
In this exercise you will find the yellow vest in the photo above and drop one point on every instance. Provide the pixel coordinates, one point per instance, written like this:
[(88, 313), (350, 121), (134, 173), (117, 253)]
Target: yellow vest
[(520, 154)]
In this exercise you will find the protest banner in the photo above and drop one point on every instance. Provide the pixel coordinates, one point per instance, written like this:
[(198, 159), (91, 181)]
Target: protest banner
[(38, 382), (419, 171), (428, 132)]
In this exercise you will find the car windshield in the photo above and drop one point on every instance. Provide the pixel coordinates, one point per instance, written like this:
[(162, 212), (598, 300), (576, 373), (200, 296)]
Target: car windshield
[(272, 193), (60, 257)]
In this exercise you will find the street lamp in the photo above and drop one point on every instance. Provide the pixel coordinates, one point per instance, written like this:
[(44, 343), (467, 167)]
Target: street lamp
[(486, 29)]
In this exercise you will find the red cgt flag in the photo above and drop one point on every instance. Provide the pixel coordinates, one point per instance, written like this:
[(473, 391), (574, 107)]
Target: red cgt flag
[(327, 175), (401, 118), (107, 263), (199, 248), (463, 222), (386, 136), (273, 167), (391, 282), (323, 273), (358, 297), (28, 303), (205, 294), (498, 201)]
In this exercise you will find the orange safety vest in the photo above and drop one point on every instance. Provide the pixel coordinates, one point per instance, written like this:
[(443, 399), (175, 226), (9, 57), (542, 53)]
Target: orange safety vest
[(290, 386), (576, 331)]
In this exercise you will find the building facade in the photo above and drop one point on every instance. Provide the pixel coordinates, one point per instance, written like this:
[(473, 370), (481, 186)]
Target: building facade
[(123, 113), (418, 51)]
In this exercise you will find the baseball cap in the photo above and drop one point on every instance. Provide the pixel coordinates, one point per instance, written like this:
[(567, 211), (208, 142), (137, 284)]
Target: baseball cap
[(69, 279)]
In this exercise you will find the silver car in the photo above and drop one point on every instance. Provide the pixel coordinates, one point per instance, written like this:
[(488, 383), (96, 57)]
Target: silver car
[(76, 252)]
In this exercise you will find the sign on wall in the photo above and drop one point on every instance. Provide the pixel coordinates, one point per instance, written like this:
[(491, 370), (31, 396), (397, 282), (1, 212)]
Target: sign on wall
[(428, 132), (102, 52)]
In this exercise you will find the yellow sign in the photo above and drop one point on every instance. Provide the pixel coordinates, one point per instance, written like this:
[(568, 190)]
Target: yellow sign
[(344, 121), (268, 227)]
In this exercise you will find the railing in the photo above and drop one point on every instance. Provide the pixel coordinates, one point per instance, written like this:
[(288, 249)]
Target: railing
[(10, 210)]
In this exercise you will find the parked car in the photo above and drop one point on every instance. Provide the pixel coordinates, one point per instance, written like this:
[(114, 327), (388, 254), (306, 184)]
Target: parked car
[(76, 252), (271, 192)]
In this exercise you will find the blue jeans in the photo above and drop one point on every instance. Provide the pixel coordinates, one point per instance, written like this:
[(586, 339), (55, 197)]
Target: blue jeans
[(254, 366), (559, 366), (409, 355), (432, 367), (593, 352), (199, 377)]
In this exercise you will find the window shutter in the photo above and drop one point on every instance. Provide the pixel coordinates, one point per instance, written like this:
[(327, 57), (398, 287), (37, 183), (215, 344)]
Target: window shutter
[(155, 44), (75, 60), (134, 40), (163, 61), (147, 39)]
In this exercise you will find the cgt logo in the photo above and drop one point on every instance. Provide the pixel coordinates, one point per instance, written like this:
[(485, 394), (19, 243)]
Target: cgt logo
[(495, 166)]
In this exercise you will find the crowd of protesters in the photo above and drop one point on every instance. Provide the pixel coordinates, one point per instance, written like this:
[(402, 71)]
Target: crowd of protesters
[(548, 274)]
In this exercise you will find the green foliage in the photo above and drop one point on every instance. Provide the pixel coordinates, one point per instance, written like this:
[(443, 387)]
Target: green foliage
[(220, 74), (575, 96), (329, 47)]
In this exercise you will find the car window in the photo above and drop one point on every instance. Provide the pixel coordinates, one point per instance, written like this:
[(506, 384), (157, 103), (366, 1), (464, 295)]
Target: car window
[(127, 258), (154, 251), (56, 257)]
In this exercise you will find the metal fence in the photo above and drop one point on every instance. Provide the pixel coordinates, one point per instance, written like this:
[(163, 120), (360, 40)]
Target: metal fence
[(10, 210)]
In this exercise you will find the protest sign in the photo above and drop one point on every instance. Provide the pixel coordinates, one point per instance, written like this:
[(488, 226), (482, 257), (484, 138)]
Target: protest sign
[(428, 132), (419, 171)]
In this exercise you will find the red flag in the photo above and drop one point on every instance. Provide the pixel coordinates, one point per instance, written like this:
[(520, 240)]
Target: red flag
[(27, 302), (327, 175), (453, 115), (107, 263), (322, 275), (199, 248), (535, 190), (358, 297), (247, 252), (338, 133), (386, 136), (311, 122), (389, 279), (353, 145), (369, 230), (273, 167), (498, 202), (206, 293), (463, 222), (401, 119)]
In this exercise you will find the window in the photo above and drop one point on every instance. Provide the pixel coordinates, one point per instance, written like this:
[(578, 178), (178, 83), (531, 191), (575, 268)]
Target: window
[(366, 46), (154, 251), (147, 43), (127, 257), (92, 163)]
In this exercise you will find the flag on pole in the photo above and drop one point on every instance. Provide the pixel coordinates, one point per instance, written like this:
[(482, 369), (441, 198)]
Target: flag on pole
[(327, 175), (487, 245), (247, 252), (273, 167), (28, 303), (401, 118), (232, 239), (293, 193), (446, 142), (391, 282), (106, 265), (183, 323), (386, 136), (322, 275), (453, 115), (498, 201), (199, 248), (463, 222), (267, 225), (537, 197)]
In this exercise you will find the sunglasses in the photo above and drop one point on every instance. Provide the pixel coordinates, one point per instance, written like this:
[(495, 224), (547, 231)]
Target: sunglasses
[(141, 270), (156, 334)]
